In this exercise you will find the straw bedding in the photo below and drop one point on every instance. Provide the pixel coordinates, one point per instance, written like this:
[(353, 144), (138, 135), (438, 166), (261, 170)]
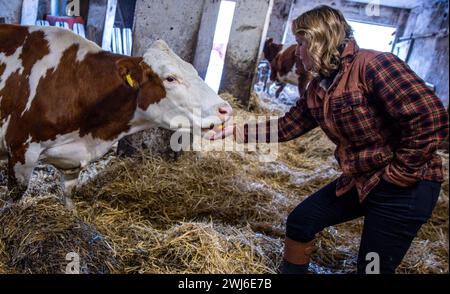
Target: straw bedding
[(206, 212)]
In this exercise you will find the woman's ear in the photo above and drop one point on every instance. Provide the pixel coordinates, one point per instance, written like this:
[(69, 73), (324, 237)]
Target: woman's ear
[(130, 71)]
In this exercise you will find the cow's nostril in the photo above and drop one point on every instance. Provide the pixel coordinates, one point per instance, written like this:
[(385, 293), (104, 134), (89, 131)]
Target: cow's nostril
[(223, 110)]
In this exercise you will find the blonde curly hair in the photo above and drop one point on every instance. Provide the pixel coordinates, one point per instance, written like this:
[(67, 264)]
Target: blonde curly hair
[(325, 29)]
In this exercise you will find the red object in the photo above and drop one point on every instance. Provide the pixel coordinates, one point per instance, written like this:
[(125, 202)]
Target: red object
[(69, 19)]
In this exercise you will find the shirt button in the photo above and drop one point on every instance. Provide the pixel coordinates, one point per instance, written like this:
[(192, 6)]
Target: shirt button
[(347, 109)]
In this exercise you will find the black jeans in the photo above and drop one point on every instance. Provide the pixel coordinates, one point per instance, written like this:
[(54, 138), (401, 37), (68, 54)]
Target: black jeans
[(393, 216)]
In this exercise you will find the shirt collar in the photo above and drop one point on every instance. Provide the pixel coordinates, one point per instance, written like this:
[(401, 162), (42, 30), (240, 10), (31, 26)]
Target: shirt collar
[(350, 50), (347, 54)]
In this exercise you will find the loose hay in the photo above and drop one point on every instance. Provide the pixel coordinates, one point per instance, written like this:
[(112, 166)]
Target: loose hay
[(205, 248), (215, 212), (3, 259), (191, 188), (37, 235)]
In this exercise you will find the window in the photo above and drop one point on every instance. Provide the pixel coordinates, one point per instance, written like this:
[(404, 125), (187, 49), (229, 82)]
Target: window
[(221, 37), (371, 36)]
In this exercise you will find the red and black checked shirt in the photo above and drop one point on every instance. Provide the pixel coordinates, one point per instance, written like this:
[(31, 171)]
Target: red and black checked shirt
[(382, 117)]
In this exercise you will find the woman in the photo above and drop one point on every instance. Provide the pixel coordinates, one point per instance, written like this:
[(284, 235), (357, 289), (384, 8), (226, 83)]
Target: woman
[(386, 125)]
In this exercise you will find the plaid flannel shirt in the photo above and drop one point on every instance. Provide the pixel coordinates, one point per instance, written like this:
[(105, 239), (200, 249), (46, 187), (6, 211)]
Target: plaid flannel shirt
[(382, 117)]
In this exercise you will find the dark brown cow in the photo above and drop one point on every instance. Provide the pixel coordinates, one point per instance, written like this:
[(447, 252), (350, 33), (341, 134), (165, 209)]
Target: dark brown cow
[(286, 67)]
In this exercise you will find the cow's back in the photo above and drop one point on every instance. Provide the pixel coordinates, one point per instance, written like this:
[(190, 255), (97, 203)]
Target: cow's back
[(11, 38), (286, 59), (28, 55), (52, 82)]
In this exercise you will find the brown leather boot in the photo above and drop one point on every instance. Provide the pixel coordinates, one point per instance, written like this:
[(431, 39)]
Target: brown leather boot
[(296, 256)]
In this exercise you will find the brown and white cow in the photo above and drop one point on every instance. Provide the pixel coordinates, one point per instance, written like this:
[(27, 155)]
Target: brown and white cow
[(66, 101), (285, 67)]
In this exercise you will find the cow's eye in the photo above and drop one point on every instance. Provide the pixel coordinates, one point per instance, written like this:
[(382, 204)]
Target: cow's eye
[(171, 79)]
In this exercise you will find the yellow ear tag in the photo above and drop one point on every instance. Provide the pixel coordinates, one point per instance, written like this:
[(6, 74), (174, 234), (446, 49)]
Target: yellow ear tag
[(129, 80)]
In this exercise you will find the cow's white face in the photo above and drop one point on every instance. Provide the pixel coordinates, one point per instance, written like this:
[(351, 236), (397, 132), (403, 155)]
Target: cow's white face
[(189, 101)]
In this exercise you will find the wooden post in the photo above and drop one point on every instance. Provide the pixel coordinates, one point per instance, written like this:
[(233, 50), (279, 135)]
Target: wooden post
[(29, 12)]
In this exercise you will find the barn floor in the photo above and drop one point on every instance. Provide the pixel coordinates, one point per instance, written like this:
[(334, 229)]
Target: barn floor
[(208, 212), (267, 97)]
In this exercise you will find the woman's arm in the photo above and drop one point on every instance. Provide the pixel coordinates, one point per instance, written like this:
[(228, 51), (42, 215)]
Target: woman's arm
[(422, 118), (296, 122)]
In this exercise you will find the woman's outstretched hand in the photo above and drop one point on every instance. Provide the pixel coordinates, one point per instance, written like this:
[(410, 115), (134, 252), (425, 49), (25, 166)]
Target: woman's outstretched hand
[(236, 131), (222, 134)]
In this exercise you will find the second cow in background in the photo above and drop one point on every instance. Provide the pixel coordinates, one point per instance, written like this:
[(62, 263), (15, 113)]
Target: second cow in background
[(285, 67)]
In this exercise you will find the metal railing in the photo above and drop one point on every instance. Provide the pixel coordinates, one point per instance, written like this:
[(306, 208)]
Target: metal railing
[(121, 41)]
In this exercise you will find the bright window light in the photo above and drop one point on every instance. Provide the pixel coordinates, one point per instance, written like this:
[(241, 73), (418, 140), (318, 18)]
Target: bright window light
[(220, 42), (370, 36)]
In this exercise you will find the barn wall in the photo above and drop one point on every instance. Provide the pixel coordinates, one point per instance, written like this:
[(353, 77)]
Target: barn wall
[(428, 27), (248, 31), (43, 8), (175, 21), (388, 16), (100, 12), (279, 19), (11, 10)]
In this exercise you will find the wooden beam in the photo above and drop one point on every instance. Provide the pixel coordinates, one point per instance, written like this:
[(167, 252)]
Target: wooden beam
[(110, 16), (29, 12)]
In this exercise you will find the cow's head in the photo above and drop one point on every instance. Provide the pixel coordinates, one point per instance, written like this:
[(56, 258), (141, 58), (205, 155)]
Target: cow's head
[(271, 49), (171, 93)]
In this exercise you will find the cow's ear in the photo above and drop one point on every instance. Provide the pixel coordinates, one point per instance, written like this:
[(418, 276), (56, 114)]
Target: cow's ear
[(146, 71), (130, 71)]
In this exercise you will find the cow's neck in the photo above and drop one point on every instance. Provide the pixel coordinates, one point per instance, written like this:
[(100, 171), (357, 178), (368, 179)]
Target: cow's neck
[(138, 123)]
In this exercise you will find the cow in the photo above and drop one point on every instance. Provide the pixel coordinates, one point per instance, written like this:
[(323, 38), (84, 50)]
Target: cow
[(65, 101), (286, 67)]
